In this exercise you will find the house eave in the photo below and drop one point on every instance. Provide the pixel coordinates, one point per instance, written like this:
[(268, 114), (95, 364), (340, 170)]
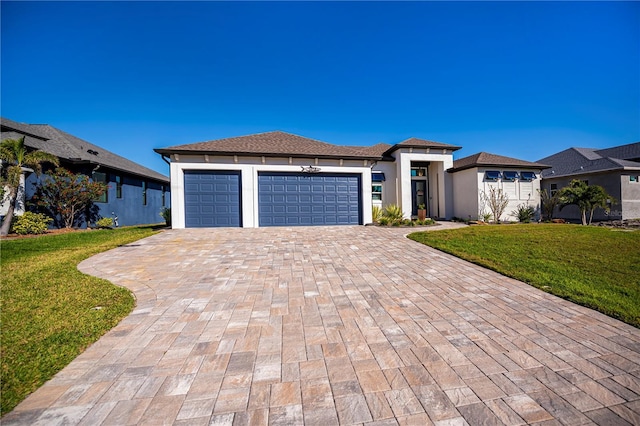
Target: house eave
[(168, 152), (80, 162), (502, 166), (396, 147)]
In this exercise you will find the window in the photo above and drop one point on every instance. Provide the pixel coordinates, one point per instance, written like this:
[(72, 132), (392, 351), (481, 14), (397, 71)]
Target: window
[(164, 191), (102, 178), (376, 192), (118, 186), (528, 176), (634, 179), (144, 193), (492, 175), (418, 171), (510, 176), (553, 189)]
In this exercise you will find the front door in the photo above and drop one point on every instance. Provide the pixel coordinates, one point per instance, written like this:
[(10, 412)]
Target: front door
[(418, 195)]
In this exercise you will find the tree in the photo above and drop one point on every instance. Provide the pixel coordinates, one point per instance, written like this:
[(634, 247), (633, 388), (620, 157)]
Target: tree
[(586, 197), (598, 197), (67, 196), (548, 203), (14, 153), (497, 201)]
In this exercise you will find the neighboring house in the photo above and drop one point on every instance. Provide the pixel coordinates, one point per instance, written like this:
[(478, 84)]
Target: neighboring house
[(281, 179), (616, 169), (475, 175), (136, 194)]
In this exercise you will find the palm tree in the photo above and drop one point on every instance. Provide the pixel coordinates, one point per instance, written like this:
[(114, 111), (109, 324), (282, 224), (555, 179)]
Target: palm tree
[(598, 197), (15, 162), (586, 197), (576, 194)]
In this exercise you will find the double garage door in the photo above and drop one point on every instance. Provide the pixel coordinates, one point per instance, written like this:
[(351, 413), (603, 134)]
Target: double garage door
[(212, 199)]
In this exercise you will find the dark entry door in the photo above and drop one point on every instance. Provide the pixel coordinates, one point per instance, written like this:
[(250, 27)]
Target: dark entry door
[(418, 195)]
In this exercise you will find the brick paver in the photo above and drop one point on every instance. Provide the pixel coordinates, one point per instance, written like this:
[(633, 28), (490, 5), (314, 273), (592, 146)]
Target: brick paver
[(335, 325)]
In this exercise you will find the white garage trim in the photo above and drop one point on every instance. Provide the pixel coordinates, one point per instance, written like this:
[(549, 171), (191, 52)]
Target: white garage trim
[(249, 179)]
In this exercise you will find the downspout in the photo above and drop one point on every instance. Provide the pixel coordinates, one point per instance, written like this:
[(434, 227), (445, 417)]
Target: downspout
[(164, 158)]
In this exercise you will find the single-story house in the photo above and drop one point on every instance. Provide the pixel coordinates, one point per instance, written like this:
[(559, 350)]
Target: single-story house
[(136, 194), (281, 179), (474, 177), (616, 169)]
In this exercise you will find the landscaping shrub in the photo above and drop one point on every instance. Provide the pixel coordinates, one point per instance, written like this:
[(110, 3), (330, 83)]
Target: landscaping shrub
[(165, 212), (31, 223), (393, 212), (376, 213), (105, 222), (524, 213)]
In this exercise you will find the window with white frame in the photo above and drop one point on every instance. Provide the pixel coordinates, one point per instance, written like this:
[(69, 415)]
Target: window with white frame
[(376, 191)]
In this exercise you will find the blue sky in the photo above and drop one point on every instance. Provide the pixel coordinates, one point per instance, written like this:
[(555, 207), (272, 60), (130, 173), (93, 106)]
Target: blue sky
[(521, 79)]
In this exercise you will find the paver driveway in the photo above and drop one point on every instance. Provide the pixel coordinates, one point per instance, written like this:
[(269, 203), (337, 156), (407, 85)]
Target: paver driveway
[(335, 325)]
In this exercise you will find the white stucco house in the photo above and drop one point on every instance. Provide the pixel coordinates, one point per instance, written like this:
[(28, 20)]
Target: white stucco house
[(281, 179), (475, 175)]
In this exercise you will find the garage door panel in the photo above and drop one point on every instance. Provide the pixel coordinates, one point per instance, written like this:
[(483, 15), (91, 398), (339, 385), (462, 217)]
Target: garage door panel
[(212, 198), (318, 199)]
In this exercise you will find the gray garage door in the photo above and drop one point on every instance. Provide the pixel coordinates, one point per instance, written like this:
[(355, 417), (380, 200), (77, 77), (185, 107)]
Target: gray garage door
[(289, 199), (212, 199)]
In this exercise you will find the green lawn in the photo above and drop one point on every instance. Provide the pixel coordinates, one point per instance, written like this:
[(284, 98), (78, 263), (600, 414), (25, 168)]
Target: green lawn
[(592, 266), (48, 312)]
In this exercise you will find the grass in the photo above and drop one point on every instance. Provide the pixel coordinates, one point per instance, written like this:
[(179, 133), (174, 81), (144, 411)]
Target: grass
[(592, 266), (49, 313)]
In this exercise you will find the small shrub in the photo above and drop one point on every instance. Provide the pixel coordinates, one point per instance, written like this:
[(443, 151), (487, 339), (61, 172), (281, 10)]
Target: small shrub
[(105, 222), (524, 213), (384, 221), (427, 221), (165, 212), (393, 212), (376, 213), (31, 223)]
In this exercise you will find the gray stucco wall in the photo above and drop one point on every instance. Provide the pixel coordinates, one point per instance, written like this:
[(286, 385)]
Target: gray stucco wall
[(609, 181), (630, 190)]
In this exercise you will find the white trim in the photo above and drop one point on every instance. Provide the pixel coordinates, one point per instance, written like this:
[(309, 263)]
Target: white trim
[(249, 187)]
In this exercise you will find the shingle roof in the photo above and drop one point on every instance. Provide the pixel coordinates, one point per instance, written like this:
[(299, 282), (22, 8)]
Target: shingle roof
[(66, 146), (274, 144), (485, 159), (420, 143), (623, 152), (279, 143), (577, 161)]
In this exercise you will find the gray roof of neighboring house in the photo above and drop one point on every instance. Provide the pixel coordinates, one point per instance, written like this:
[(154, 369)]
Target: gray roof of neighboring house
[(578, 161), (485, 159), (624, 152), (63, 145)]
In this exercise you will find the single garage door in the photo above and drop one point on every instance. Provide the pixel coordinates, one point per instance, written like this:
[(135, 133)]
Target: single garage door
[(289, 199), (212, 199)]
